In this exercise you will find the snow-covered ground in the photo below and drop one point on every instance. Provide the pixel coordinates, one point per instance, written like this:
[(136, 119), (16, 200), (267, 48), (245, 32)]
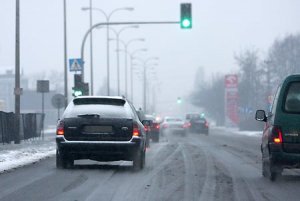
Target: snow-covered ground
[(247, 133), (17, 155)]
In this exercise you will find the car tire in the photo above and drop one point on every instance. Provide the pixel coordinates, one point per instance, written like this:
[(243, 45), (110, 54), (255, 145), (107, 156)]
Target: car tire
[(270, 170), (147, 141), (139, 161), (60, 160), (264, 169)]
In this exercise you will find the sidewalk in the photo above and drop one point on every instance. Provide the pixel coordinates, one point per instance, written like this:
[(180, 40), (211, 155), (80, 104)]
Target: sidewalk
[(18, 155)]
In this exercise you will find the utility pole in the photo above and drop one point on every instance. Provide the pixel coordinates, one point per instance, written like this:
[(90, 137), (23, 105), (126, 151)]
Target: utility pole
[(17, 74), (91, 50), (65, 55)]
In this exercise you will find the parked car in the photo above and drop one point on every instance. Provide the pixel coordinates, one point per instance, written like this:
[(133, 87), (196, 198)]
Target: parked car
[(195, 122), (101, 129), (154, 129), (173, 125), (280, 144)]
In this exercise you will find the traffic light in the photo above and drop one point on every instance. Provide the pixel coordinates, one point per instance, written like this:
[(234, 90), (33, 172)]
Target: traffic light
[(78, 89), (179, 101), (186, 15), (77, 92)]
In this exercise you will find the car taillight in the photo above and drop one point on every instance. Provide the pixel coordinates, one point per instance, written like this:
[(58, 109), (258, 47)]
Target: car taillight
[(157, 126), (187, 125), (135, 131), (147, 128), (206, 124), (276, 135), (60, 130)]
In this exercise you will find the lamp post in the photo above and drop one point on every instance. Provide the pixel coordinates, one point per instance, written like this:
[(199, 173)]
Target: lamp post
[(108, 16), (91, 48), (118, 52), (17, 91), (126, 45), (65, 54), (145, 63), (131, 69)]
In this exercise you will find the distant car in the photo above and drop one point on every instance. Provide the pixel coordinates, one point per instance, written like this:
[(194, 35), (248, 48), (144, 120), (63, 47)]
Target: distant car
[(101, 129), (154, 129), (195, 122), (280, 145), (142, 117), (173, 125)]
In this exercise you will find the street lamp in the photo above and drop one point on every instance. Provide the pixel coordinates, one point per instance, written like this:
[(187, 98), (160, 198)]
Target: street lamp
[(126, 45), (108, 16), (118, 52), (132, 54), (145, 63), (91, 49)]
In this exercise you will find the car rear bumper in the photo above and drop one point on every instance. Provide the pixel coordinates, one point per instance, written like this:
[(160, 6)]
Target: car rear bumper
[(286, 159), (100, 150)]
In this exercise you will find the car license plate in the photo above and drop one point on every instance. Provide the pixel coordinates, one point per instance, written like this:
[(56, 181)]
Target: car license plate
[(98, 129)]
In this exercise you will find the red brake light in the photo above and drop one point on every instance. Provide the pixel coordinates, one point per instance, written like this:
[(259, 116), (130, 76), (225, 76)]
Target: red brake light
[(187, 125), (157, 126), (60, 130), (135, 131), (277, 135), (206, 124)]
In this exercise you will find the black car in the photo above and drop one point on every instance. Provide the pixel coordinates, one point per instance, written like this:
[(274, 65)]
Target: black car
[(154, 128), (280, 145), (195, 122), (148, 125), (101, 129)]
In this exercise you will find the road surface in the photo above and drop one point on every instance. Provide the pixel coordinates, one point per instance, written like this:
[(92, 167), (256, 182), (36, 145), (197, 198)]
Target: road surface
[(221, 166)]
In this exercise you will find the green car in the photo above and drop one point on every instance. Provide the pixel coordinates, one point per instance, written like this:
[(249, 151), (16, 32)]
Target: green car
[(281, 135)]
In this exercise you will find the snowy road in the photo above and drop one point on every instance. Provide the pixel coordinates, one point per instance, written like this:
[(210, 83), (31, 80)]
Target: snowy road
[(221, 166)]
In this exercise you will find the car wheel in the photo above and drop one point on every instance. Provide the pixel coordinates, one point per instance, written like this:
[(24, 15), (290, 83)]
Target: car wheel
[(264, 169), (139, 161), (147, 141), (60, 161), (271, 170)]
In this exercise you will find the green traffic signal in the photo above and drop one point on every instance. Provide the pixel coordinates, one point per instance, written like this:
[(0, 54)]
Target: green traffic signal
[(77, 92), (186, 23), (186, 15), (179, 101)]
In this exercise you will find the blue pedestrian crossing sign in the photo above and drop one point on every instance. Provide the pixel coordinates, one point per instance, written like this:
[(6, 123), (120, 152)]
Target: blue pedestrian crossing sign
[(75, 64)]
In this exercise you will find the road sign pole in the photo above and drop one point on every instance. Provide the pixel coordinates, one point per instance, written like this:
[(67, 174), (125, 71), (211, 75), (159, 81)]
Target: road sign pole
[(43, 114)]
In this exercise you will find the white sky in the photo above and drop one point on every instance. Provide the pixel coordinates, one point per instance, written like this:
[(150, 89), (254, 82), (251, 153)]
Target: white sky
[(220, 29)]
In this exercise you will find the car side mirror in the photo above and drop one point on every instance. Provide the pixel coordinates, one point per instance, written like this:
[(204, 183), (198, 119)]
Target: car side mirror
[(147, 122), (260, 115)]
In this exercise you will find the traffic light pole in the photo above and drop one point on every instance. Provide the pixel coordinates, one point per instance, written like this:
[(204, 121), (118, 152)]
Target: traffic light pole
[(115, 23)]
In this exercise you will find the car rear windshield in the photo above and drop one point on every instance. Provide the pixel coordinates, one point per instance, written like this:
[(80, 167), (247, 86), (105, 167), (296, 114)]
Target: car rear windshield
[(193, 116), (104, 108), (174, 120), (96, 101), (292, 98)]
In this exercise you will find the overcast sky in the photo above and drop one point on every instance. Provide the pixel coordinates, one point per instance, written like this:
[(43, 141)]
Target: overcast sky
[(221, 28)]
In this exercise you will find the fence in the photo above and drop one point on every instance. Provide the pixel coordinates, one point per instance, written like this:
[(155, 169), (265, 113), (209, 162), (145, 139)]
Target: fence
[(31, 125)]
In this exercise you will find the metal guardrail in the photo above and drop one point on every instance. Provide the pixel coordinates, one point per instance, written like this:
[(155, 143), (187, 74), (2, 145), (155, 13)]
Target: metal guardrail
[(31, 125)]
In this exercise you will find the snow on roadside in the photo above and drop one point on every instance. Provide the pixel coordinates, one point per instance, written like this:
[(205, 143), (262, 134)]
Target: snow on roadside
[(28, 152), (238, 132)]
